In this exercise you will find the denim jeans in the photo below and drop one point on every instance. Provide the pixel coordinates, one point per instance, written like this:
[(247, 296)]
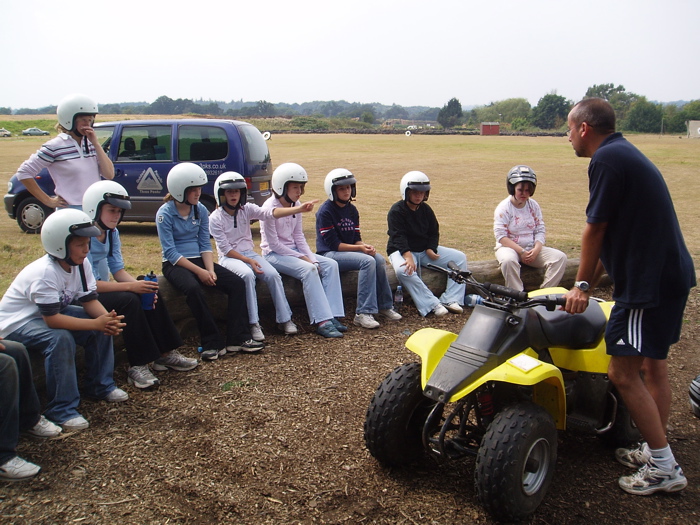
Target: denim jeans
[(422, 297), (373, 290), (272, 279), (323, 296), (58, 348), (20, 407)]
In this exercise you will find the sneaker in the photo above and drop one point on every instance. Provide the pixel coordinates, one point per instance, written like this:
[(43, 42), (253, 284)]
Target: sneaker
[(250, 347), (650, 479), (256, 332), (439, 310), (142, 377), (328, 330), (212, 355), (44, 429), (365, 321), (289, 328), (635, 457), (391, 314), (338, 325), (175, 361), (116, 396), (18, 469), (75, 424), (454, 308)]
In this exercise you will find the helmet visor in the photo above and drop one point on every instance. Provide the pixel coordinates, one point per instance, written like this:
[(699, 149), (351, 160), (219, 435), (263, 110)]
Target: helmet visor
[(419, 186), (85, 229), (120, 201), (344, 180)]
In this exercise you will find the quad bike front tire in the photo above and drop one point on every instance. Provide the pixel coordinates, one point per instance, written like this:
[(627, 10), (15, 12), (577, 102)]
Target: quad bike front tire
[(395, 417), (515, 462)]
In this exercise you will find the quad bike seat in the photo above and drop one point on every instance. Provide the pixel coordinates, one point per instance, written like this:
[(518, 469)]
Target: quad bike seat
[(573, 331)]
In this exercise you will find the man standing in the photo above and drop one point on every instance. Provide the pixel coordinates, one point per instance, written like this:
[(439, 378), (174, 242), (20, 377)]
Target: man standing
[(632, 232)]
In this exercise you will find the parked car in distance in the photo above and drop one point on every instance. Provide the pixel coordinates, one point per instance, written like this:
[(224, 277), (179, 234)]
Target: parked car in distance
[(34, 131), (144, 152), (5, 133)]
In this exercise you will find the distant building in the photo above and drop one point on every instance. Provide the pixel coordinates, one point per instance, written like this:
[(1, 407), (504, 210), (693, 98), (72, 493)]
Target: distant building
[(490, 128), (694, 129)]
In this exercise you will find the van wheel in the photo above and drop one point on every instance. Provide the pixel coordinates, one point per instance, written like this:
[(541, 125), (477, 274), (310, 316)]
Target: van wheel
[(31, 215), (209, 203)]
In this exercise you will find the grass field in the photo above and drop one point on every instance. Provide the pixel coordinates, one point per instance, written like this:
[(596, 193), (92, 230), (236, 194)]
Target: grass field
[(467, 174)]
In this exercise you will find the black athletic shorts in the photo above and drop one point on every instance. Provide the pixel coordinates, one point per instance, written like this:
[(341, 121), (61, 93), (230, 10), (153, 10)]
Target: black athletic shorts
[(645, 332)]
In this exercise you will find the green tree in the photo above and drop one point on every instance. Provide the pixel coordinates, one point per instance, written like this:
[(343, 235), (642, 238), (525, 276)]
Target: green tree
[(449, 115), (5, 111), (368, 117), (551, 111), (265, 108), (619, 99), (644, 116), (396, 112)]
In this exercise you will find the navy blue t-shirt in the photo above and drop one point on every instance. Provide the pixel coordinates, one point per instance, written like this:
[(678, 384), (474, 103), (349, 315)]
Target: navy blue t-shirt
[(643, 250)]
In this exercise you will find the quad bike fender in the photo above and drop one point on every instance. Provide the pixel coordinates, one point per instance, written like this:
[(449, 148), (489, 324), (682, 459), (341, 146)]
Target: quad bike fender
[(430, 344), (525, 369)]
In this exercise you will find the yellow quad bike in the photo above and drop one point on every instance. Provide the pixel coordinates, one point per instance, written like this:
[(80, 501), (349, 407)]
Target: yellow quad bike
[(520, 369)]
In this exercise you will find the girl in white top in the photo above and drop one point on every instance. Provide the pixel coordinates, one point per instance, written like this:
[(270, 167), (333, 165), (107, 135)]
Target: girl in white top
[(520, 233), (229, 225)]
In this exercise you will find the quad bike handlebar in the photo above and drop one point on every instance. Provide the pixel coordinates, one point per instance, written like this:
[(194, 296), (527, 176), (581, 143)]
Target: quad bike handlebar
[(498, 295)]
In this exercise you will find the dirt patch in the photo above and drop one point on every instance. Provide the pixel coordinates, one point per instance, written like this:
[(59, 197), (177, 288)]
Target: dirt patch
[(277, 438)]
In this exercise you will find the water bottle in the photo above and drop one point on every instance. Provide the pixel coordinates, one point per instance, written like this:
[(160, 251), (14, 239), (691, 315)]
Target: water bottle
[(147, 298), (473, 299), (398, 298)]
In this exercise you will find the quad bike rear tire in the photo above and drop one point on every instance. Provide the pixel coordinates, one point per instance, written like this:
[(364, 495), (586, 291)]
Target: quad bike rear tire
[(515, 462), (395, 418)]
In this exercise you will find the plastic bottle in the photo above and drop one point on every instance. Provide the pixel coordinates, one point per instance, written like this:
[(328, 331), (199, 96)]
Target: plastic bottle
[(147, 298), (398, 298), (473, 299)]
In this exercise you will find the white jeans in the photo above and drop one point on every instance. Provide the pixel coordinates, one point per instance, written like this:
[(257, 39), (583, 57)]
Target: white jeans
[(552, 260), (270, 277)]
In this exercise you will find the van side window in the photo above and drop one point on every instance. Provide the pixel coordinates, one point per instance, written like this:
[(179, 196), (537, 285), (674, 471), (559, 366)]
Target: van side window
[(254, 144), (201, 143), (140, 143), (104, 136)]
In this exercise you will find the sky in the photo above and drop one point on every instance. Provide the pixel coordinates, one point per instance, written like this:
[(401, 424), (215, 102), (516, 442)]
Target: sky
[(405, 52)]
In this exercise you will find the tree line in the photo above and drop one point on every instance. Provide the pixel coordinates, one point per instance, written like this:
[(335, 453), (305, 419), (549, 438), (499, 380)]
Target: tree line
[(634, 112)]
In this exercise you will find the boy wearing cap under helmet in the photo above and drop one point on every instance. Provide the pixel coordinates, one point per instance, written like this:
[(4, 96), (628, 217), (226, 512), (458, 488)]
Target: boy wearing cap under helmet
[(52, 306)]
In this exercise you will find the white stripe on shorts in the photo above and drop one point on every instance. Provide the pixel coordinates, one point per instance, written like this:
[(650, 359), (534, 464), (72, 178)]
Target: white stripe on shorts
[(634, 329)]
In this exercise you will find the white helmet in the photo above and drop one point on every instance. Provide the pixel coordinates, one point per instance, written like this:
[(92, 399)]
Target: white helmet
[(61, 226), (521, 173), (415, 180), (695, 396), (285, 173), (105, 192), (184, 176), (230, 180), (339, 177), (73, 105)]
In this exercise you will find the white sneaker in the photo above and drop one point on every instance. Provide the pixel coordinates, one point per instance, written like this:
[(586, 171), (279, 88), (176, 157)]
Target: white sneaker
[(288, 327), (75, 424), (142, 377), (44, 429), (454, 308), (439, 310), (18, 469), (366, 321), (174, 360), (256, 332), (391, 314), (116, 396)]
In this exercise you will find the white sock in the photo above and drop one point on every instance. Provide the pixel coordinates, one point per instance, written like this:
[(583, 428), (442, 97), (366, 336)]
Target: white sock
[(663, 458)]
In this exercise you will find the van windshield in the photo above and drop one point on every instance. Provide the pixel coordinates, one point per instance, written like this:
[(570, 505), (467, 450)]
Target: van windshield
[(254, 145)]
